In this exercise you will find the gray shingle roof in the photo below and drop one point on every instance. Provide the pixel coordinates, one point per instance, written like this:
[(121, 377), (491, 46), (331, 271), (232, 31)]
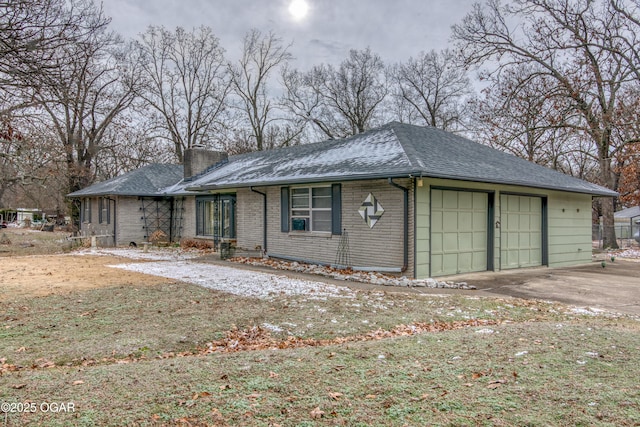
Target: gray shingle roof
[(628, 213), (148, 180), (391, 151)]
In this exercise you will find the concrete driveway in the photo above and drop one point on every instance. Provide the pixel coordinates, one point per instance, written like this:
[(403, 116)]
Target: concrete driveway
[(615, 287)]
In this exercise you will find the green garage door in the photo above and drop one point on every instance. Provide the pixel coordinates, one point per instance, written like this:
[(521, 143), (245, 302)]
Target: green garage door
[(521, 231), (458, 232)]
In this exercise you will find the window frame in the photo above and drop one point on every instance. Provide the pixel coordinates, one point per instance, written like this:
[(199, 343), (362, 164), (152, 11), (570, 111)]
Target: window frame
[(104, 213), (86, 210), (309, 217), (210, 206)]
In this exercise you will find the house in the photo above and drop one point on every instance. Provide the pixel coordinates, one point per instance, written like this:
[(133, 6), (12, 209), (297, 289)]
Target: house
[(400, 198), (129, 208), (627, 223)]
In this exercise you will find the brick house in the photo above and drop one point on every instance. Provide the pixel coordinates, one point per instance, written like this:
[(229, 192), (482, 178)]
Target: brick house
[(412, 200)]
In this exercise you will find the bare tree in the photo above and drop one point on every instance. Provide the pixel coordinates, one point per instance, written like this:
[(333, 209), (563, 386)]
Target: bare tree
[(127, 145), (339, 102), (267, 127), (433, 86), (517, 114), (572, 43), (32, 33), (186, 83), (28, 165), (627, 38)]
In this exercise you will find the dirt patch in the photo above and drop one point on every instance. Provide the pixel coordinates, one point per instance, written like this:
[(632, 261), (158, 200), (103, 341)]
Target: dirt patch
[(55, 274)]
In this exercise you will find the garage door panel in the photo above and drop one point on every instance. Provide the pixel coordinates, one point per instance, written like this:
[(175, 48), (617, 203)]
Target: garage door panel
[(479, 240), (436, 220), (462, 232), (449, 221), (521, 231), (449, 262), (436, 242), (465, 261), (449, 202), (465, 242), (465, 220), (479, 262), (450, 242), (465, 200)]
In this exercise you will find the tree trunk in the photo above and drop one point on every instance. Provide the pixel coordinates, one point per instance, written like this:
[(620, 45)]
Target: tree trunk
[(608, 230), (609, 240)]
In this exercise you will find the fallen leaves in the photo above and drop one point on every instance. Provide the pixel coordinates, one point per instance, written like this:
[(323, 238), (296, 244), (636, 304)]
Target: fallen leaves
[(335, 395), (258, 338), (317, 413), (495, 384)]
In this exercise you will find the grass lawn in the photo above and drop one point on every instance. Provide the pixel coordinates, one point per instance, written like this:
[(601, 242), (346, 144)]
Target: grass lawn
[(178, 354)]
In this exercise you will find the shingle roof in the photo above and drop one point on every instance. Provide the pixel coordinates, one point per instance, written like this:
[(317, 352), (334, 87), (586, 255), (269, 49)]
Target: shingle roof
[(391, 151), (628, 213), (148, 180)]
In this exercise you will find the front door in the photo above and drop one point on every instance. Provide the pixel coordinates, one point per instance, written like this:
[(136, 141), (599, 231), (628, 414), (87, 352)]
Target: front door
[(216, 217), (226, 218)]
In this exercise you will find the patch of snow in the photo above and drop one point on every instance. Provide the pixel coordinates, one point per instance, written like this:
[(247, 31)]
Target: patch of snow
[(587, 311), (592, 354), (485, 331), (153, 254), (237, 281), (521, 353), (273, 328), (630, 253)]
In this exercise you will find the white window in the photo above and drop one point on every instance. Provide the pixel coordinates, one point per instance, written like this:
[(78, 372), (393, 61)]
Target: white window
[(311, 209)]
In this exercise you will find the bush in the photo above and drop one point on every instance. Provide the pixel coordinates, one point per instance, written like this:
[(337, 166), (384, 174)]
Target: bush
[(196, 244)]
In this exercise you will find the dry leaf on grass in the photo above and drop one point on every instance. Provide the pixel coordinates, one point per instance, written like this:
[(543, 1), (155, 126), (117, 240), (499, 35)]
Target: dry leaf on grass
[(317, 413), (495, 384)]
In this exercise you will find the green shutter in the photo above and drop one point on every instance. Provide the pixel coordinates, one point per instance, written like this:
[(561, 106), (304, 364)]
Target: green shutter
[(336, 209), (284, 209)]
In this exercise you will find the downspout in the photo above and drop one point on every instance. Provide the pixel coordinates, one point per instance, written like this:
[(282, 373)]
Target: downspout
[(406, 224), (115, 241), (264, 219)]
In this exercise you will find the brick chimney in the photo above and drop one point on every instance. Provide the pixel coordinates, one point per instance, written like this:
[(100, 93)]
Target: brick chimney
[(198, 159)]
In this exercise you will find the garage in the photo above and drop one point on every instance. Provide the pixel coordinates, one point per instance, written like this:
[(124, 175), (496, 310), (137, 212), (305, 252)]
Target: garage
[(459, 231), (521, 236)]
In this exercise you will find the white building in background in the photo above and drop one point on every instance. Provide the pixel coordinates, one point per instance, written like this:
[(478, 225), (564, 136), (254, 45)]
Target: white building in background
[(24, 215)]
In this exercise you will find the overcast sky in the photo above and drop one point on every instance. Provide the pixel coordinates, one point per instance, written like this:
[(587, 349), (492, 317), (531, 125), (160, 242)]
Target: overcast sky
[(395, 29)]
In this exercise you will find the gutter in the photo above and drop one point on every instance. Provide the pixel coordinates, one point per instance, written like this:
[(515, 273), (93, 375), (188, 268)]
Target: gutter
[(406, 223), (595, 192), (307, 180), (264, 218)]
